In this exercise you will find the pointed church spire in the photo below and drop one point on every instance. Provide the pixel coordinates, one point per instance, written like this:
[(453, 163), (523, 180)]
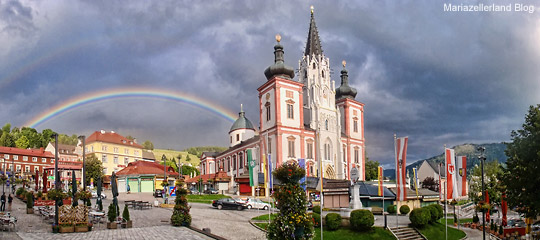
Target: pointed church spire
[(313, 45)]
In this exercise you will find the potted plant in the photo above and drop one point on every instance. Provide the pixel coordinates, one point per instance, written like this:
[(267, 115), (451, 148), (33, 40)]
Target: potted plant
[(55, 228), (66, 228), (81, 227), (90, 225), (56, 194), (29, 203), (126, 221), (39, 195), (111, 216)]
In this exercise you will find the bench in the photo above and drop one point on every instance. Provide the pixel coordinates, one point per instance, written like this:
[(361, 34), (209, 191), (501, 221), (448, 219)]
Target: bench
[(129, 203)]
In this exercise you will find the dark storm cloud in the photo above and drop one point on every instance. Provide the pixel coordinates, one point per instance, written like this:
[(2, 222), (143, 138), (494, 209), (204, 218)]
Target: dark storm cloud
[(437, 77)]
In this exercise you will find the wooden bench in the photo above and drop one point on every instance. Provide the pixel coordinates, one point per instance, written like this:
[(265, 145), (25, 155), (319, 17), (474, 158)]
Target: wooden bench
[(129, 203)]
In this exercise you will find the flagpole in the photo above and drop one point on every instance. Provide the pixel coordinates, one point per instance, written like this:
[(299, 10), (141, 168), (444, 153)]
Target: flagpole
[(382, 184), (397, 187), (318, 153), (445, 196)]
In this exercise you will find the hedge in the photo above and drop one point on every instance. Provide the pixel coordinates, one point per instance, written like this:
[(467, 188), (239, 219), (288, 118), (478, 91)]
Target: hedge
[(361, 220), (316, 220), (404, 209), (434, 213), (317, 209), (333, 221), (391, 209)]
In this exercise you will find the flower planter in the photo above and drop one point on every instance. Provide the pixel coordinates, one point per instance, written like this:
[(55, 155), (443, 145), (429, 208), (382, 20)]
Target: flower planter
[(111, 225), (128, 224), (83, 228), (90, 225), (67, 229), (29, 211), (55, 229)]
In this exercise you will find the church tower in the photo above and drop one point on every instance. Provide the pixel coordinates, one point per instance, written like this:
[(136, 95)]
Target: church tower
[(319, 106)]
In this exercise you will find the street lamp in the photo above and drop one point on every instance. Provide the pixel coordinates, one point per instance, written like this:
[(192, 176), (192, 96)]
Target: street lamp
[(56, 177), (482, 158), (83, 139)]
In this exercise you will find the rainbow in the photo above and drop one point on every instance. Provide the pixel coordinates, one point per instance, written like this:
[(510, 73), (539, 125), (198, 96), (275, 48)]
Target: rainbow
[(100, 96)]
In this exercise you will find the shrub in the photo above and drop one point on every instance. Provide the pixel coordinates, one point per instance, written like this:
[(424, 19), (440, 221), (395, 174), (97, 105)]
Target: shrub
[(317, 209), (39, 194), (433, 212), (20, 191), (361, 220), (391, 209), (475, 219), (501, 229), (404, 209), (333, 221), (29, 200), (316, 219), (125, 213), (111, 214), (440, 212), (181, 216), (419, 217)]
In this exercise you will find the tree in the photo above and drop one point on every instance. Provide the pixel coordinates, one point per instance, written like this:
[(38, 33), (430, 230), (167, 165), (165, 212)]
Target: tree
[(181, 216), (522, 173), (188, 158), (431, 184), (130, 137), (94, 168), (6, 140), (188, 170), (32, 136), (22, 142), (148, 145), (371, 169), (6, 128), (46, 137), (492, 172)]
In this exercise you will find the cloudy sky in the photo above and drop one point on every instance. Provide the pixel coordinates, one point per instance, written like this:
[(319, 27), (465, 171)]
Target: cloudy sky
[(438, 77)]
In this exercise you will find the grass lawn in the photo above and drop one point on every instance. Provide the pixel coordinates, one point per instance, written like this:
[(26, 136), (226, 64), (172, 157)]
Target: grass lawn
[(262, 225), (265, 217), (436, 231), (450, 221), (346, 234), (205, 198)]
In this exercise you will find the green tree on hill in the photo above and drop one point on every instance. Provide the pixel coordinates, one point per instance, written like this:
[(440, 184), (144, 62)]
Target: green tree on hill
[(22, 142), (371, 169), (148, 145), (6, 140)]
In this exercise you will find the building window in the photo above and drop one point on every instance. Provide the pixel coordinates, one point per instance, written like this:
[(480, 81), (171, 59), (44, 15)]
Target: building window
[(43, 160), (26, 168), (356, 155), (231, 138), (313, 65), (269, 145), (290, 111), (234, 163), (355, 126), (104, 158), (25, 158), (311, 169), (327, 151), (322, 73), (310, 150), (241, 156), (115, 159), (104, 148), (6, 156), (92, 149), (291, 148), (126, 151), (344, 153), (18, 168), (105, 171), (34, 159), (326, 124), (267, 106), (115, 149), (126, 160), (15, 157), (36, 168), (136, 152), (237, 137)]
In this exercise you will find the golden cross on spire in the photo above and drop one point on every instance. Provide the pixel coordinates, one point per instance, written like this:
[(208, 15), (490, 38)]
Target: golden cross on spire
[(343, 63), (278, 37), (311, 8)]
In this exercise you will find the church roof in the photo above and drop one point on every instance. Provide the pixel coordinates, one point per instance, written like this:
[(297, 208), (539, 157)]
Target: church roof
[(242, 122), (313, 45)]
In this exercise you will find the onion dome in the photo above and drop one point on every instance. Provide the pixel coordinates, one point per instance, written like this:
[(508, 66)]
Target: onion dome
[(242, 122), (279, 68), (345, 91)]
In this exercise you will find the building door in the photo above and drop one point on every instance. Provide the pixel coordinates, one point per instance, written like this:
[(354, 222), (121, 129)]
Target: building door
[(122, 185), (147, 185), (133, 184)]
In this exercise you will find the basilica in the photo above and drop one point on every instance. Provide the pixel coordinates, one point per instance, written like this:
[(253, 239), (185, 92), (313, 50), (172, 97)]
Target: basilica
[(306, 117)]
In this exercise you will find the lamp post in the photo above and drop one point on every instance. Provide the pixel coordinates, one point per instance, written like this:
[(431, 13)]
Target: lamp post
[(165, 200), (56, 177), (4, 173), (482, 158), (83, 139)]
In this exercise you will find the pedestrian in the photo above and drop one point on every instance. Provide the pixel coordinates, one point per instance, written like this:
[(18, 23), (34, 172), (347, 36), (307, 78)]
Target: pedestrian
[(3, 200), (12, 189), (10, 200), (128, 189)]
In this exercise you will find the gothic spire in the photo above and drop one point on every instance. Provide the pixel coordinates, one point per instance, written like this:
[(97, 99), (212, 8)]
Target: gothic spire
[(313, 45)]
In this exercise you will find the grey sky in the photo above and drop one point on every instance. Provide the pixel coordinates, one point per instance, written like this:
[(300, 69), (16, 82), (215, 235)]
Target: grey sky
[(438, 77)]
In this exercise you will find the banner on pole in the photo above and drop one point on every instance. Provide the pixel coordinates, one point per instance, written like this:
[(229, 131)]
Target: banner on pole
[(251, 164), (302, 165), (401, 163), (380, 180), (451, 184), (462, 178)]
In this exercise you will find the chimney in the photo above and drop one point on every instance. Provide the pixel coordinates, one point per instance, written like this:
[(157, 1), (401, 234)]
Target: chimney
[(41, 150), (112, 131), (135, 140), (102, 131)]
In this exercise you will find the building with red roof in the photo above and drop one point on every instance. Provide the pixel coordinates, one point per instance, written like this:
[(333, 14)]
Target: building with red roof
[(144, 176)]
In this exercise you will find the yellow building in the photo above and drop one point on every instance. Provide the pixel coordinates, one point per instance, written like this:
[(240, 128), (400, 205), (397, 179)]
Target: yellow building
[(114, 150)]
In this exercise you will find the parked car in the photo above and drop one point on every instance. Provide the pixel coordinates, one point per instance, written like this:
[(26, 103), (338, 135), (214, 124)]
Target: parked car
[(158, 193), (257, 203), (211, 191), (229, 203), (194, 191), (94, 195)]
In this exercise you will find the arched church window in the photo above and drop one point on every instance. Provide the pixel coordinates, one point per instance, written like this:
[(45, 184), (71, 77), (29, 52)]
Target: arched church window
[(313, 65), (326, 124), (305, 73), (322, 73)]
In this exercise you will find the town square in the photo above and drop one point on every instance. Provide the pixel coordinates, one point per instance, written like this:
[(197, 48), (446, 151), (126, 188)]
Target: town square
[(269, 120)]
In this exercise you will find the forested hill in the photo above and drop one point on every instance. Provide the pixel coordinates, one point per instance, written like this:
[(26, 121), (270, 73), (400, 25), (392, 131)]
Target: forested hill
[(494, 151)]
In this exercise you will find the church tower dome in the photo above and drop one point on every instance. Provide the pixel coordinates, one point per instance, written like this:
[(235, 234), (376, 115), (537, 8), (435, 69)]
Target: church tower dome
[(279, 68), (242, 129), (345, 91)]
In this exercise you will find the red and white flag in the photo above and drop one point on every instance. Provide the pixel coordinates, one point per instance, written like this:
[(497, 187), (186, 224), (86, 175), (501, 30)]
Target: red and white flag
[(451, 183), (462, 175), (401, 162)]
